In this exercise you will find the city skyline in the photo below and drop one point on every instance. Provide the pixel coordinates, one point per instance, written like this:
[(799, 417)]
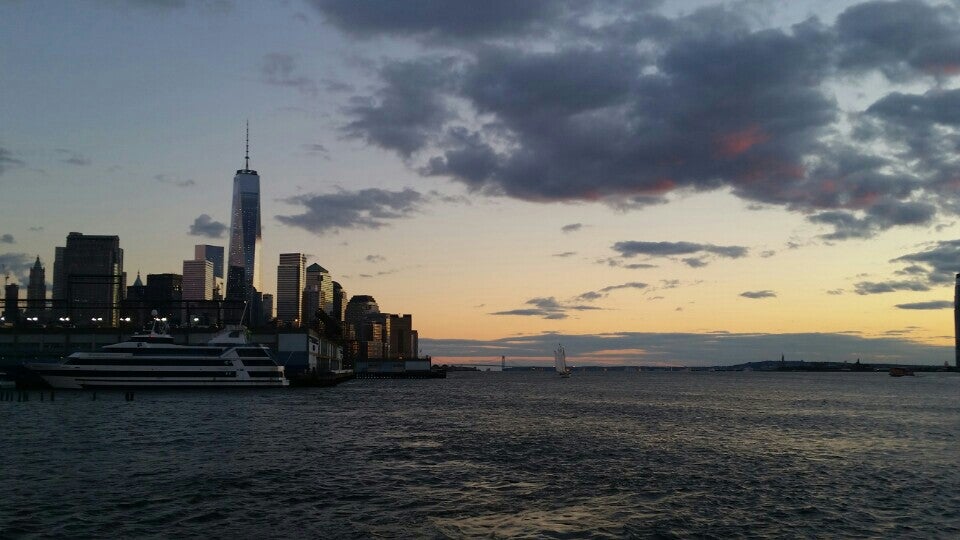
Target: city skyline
[(650, 182)]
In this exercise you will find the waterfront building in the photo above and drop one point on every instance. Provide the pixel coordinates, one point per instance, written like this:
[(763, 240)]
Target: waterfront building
[(369, 327), (371, 338), (338, 309), (243, 260), (357, 310), (402, 337), (290, 286), (318, 293), (381, 321), (198, 280), (92, 273), (36, 290)]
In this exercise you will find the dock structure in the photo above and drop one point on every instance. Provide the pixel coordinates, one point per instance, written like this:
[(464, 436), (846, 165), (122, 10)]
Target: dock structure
[(431, 374), (321, 379)]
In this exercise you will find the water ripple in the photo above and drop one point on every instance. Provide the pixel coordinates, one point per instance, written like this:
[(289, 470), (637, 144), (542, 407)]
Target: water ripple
[(673, 455)]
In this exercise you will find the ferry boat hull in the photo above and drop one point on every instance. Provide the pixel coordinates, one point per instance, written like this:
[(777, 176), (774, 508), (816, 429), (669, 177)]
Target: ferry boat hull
[(70, 382), (154, 361)]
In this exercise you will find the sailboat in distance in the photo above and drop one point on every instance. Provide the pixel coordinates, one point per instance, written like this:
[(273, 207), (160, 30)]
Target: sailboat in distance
[(560, 362)]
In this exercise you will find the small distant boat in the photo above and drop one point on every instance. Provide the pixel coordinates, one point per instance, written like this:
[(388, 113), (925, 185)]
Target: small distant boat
[(901, 372), (560, 362)]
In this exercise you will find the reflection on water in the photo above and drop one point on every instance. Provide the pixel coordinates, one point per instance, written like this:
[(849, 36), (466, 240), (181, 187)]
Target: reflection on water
[(495, 454)]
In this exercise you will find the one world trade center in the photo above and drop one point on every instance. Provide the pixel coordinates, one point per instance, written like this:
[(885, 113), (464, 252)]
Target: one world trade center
[(243, 272)]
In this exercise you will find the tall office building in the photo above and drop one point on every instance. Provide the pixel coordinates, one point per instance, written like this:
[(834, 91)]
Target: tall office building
[(382, 322), (59, 280), (267, 306), (243, 264), (164, 294), (338, 309), (92, 277), (402, 337), (36, 289), (198, 280), (357, 310), (11, 303), (214, 254), (318, 293), (290, 285)]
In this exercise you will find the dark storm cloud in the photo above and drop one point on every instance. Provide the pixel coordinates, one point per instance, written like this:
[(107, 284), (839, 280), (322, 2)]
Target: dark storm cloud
[(937, 264), (936, 304), (375, 258), (573, 227), (408, 110), (217, 7), (7, 239), (588, 124), (364, 209), (546, 308), (756, 295), (669, 249), (279, 69), (596, 295), (881, 216), (205, 226), (870, 287), (900, 38), (716, 348), (437, 19), (584, 101), (918, 109)]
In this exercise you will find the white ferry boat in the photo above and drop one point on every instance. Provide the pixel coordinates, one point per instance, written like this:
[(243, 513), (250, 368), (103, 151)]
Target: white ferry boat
[(153, 360)]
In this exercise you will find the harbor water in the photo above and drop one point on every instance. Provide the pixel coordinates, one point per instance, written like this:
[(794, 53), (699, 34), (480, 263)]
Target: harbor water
[(668, 455)]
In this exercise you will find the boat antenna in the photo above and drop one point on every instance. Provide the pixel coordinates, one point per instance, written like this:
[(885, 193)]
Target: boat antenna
[(246, 156)]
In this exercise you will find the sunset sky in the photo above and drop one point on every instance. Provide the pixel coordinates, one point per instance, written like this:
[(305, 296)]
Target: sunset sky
[(648, 182)]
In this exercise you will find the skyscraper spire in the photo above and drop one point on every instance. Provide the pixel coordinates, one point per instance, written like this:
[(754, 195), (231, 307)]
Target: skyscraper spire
[(246, 156)]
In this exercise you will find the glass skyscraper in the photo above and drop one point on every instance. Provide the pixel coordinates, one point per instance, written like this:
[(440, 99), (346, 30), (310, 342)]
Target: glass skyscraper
[(243, 263)]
